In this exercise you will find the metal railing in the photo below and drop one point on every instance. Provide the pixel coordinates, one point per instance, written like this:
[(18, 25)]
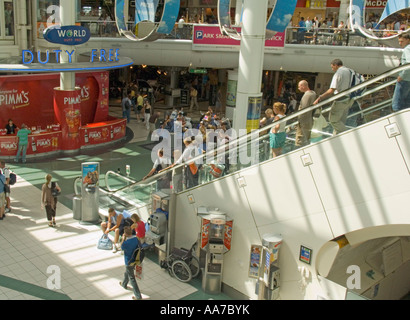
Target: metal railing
[(293, 35), (373, 104)]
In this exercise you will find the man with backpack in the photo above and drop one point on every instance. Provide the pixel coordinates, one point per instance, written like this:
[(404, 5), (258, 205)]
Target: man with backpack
[(129, 246), (341, 81), (7, 175)]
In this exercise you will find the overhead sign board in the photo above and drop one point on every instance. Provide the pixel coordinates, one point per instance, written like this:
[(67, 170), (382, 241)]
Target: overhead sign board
[(67, 35), (206, 37)]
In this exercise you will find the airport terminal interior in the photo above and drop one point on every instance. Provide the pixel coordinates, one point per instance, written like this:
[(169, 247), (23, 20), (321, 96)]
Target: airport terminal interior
[(324, 216)]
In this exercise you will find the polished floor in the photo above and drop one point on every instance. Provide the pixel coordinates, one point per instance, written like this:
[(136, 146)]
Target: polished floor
[(40, 262)]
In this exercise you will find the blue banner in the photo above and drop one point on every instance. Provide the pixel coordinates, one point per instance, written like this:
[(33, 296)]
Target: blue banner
[(281, 15), (393, 6), (119, 15), (145, 10), (224, 15), (169, 16), (278, 21), (356, 13)]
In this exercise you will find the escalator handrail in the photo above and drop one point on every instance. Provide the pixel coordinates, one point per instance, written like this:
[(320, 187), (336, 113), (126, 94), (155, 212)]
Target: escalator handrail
[(235, 144), (110, 172)]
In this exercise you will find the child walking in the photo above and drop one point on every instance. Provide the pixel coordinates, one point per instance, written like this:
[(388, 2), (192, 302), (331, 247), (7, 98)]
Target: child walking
[(277, 134)]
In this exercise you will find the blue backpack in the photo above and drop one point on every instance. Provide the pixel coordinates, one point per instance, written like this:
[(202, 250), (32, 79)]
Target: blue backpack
[(356, 79)]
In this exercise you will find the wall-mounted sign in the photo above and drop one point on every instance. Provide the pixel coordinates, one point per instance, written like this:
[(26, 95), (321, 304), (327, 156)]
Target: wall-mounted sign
[(305, 254), (101, 55), (206, 37), (67, 35)]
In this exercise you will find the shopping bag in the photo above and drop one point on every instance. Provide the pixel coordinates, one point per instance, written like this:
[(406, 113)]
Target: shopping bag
[(104, 243), (138, 271)]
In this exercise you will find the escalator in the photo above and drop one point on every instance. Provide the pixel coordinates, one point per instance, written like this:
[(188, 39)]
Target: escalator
[(253, 149)]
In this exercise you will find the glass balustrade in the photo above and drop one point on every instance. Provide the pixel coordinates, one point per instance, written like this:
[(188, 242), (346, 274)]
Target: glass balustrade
[(254, 148), (293, 35)]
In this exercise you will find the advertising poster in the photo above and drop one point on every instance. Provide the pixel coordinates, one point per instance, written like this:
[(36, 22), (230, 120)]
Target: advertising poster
[(254, 113), (102, 133), (231, 93), (68, 113), (228, 235), (205, 232), (255, 261), (90, 173), (23, 98), (266, 268)]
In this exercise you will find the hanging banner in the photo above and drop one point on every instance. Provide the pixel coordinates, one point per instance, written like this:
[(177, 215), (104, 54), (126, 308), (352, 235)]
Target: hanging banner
[(278, 21), (169, 16), (394, 6), (280, 17), (356, 13), (145, 9)]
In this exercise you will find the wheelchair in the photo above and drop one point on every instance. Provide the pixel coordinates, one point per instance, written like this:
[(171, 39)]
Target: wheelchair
[(182, 264)]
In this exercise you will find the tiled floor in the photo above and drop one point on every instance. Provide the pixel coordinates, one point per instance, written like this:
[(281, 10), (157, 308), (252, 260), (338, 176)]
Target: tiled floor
[(33, 254), (29, 248)]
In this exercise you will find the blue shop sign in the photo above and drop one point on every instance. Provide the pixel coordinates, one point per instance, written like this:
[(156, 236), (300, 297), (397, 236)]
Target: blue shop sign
[(67, 35)]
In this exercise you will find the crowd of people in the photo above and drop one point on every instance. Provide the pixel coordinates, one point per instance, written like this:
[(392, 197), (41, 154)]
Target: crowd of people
[(308, 29)]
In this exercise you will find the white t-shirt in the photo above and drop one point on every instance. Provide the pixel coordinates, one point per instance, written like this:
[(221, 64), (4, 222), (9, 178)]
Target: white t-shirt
[(191, 151), (341, 79), (163, 161), (6, 172)]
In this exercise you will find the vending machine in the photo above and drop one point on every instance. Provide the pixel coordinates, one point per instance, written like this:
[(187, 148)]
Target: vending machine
[(269, 272), (215, 241)]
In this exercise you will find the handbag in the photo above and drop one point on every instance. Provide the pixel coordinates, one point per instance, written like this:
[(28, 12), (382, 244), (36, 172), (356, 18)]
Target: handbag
[(104, 243), (54, 191)]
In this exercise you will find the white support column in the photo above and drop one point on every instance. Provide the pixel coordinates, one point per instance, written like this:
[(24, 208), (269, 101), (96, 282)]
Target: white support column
[(22, 26), (250, 58), (67, 18)]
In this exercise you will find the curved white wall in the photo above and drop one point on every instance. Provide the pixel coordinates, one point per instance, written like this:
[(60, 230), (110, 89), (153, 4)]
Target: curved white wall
[(306, 58), (359, 179)]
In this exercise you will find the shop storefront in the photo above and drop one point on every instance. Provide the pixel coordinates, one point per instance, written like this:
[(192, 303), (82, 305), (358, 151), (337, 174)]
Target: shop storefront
[(24, 98)]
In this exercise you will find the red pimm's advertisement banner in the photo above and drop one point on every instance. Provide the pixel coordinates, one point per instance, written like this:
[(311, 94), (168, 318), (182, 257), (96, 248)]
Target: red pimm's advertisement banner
[(103, 132), (24, 97)]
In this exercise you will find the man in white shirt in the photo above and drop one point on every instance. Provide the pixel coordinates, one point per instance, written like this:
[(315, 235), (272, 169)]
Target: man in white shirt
[(401, 96), (341, 81)]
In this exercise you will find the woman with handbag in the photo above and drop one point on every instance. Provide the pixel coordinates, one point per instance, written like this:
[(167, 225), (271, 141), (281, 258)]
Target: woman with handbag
[(49, 192)]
